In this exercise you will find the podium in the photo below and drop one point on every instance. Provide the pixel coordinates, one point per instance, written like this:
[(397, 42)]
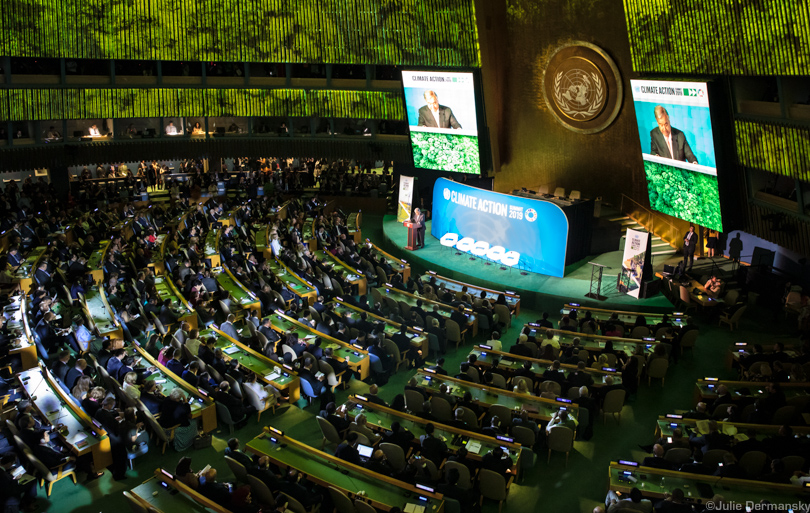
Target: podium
[(411, 235), (596, 279)]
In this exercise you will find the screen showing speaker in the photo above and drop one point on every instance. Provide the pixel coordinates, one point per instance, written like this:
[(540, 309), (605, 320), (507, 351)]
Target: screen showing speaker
[(442, 120), (677, 145)]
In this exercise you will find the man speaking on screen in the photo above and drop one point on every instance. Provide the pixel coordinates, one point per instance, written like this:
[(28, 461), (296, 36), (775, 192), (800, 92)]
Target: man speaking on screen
[(669, 142), (434, 115)]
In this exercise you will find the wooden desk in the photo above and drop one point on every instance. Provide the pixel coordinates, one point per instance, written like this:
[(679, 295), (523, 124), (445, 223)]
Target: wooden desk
[(706, 391), (203, 408), (55, 406), (151, 494), (381, 418), (353, 223), (95, 264), (353, 276), (397, 264), (356, 357), (445, 310), (664, 428), (678, 319), (191, 496), (239, 293), (25, 272), (211, 251), (512, 299), (594, 343), (654, 483), (100, 314), (266, 370), (16, 315), (179, 306), (382, 492), (352, 313), (512, 363), (294, 283), (486, 396)]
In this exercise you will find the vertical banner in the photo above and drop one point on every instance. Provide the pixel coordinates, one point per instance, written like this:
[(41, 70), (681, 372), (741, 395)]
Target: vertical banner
[(633, 262), (405, 198)]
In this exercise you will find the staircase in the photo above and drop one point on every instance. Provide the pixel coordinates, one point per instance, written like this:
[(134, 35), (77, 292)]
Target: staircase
[(659, 246)]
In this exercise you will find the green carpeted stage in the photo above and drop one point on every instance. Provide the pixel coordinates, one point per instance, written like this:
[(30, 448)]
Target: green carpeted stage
[(572, 287)]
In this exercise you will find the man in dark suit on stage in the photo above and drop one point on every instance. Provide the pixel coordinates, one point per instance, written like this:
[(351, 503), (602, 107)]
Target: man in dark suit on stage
[(669, 142), (418, 219), (434, 115), (689, 245)]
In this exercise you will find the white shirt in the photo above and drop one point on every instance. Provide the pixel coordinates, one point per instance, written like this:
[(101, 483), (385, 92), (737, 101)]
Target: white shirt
[(193, 345), (496, 344), (668, 139), (171, 130), (436, 117), (132, 390), (94, 132)]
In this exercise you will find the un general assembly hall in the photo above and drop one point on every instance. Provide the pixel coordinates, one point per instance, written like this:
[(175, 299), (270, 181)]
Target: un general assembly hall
[(420, 256)]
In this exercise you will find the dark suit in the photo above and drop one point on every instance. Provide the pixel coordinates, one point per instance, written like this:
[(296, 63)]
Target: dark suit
[(446, 118), (689, 245), (419, 224), (680, 146)]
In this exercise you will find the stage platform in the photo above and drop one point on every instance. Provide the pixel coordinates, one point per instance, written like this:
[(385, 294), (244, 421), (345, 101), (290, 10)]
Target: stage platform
[(531, 287)]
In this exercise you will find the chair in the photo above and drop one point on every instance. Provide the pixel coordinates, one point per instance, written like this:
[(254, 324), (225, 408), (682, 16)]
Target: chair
[(714, 457), (470, 417), (783, 415), (413, 401), (329, 432), (524, 436), (332, 379), (287, 350), (734, 319), (158, 325), (753, 462), (499, 381), (529, 383), (452, 332), (689, 339), (465, 245), (678, 455), (260, 491), (657, 369), (504, 315), (793, 463), (295, 506), (640, 332), (404, 308), (464, 480), (510, 259), (394, 454), (236, 388), (342, 503), (239, 470), (473, 373), (480, 249), (163, 435), (560, 438), (614, 402), (49, 475), (575, 195), (495, 253), (493, 486), (559, 192), (504, 414), (260, 405), (364, 507), (553, 387), (449, 240), (224, 415), (307, 390), (441, 409), (573, 393)]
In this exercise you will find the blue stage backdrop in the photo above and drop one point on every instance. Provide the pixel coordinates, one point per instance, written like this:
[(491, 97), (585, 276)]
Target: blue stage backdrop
[(536, 229)]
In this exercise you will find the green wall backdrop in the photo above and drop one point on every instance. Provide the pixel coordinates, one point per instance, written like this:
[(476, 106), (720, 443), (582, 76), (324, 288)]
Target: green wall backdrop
[(760, 37), (47, 104), (773, 147), (393, 32)]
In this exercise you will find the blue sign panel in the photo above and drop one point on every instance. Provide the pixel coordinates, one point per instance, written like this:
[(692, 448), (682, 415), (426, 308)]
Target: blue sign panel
[(533, 230)]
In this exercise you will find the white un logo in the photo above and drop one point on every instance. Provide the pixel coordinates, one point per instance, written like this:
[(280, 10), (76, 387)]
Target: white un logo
[(446, 194)]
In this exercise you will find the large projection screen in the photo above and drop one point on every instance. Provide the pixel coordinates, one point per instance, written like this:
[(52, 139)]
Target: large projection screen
[(442, 120), (677, 145), (536, 229)]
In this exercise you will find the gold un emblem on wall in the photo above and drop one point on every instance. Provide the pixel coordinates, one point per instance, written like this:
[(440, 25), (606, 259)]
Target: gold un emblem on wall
[(582, 87)]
